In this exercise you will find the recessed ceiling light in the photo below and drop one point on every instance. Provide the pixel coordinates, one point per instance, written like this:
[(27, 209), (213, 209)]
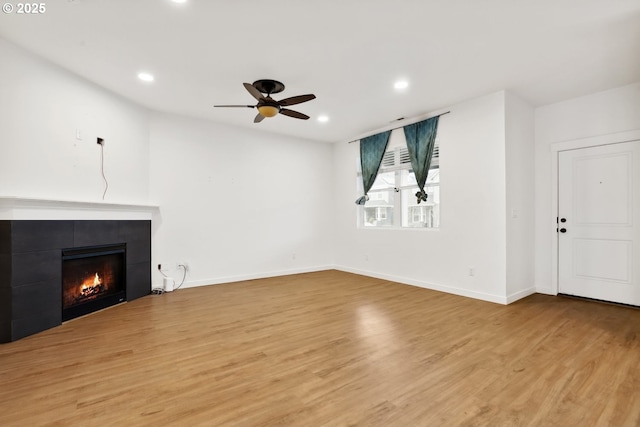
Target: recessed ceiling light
[(323, 119), (401, 84), (179, 1), (145, 77)]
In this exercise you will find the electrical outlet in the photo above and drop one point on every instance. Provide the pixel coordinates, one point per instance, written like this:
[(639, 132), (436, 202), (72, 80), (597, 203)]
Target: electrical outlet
[(472, 271), (182, 264), (100, 141)]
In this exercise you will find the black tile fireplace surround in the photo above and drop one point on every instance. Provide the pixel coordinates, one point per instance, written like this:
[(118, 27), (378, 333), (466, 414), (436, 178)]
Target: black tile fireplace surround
[(31, 267)]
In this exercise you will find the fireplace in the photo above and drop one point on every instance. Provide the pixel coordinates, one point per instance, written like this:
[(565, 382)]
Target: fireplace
[(93, 278), (31, 265)]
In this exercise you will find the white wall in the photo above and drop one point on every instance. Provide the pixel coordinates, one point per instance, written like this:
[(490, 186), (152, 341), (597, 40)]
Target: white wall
[(603, 113), (41, 106), (519, 187), (473, 212), (238, 204)]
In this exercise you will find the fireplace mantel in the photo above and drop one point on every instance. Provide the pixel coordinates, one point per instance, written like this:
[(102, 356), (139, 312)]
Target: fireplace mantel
[(22, 208)]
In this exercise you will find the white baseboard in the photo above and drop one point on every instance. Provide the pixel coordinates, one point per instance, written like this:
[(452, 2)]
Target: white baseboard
[(243, 277), (498, 299), (545, 290), (520, 294)]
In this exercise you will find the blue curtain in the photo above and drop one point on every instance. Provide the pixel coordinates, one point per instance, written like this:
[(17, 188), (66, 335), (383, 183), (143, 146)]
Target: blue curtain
[(421, 138), (372, 150)]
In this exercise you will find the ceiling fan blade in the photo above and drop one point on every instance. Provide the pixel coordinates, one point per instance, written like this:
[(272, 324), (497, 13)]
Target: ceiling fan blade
[(253, 91), (293, 114), (258, 118), (243, 106), (297, 100)]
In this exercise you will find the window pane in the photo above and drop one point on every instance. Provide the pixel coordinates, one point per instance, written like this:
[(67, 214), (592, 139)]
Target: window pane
[(425, 214), (433, 177), (384, 180), (378, 211), (409, 178)]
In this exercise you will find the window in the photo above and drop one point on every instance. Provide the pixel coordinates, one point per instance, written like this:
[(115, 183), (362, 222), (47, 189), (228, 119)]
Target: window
[(392, 202), (418, 214)]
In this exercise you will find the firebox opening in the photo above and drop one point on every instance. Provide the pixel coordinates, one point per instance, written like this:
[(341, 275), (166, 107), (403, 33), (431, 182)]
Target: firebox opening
[(93, 278)]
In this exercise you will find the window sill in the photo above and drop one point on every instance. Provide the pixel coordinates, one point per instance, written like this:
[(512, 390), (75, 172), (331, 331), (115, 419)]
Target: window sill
[(418, 229)]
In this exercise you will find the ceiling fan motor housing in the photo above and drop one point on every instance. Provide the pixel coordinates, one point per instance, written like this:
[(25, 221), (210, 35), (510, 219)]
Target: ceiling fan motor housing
[(268, 86)]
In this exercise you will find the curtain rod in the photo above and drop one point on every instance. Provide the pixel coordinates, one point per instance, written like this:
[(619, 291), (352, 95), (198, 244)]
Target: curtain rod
[(437, 115)]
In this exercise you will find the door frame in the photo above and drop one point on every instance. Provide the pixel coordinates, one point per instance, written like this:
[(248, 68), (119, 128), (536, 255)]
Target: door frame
[(574, 144)]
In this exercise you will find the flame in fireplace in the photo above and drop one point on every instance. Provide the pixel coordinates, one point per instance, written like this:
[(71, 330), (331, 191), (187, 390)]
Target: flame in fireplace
[(94, 281), (91, 286), (91, 276)]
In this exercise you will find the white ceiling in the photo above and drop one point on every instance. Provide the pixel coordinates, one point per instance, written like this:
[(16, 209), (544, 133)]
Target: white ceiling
[(348, 53)]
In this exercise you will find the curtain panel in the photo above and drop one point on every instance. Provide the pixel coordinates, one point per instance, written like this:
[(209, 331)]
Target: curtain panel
[(421, 138), (372, 150)]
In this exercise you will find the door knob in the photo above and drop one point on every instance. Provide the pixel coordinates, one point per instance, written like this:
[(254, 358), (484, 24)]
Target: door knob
[(563, 219), (563, 230)]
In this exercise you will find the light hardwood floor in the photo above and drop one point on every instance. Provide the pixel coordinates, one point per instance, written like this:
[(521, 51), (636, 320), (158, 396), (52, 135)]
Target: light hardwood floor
[(328, 349)]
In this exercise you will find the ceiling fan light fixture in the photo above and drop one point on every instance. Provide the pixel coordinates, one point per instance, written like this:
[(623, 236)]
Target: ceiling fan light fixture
[(268, 110)]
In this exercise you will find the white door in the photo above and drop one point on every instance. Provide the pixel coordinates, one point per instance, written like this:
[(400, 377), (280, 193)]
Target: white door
[(598, 230)]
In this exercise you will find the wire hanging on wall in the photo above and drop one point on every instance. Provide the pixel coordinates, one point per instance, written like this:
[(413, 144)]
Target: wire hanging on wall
[(104, 177)]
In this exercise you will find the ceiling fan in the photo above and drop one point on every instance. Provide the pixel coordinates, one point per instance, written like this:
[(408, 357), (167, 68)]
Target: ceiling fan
[(269, 107)]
